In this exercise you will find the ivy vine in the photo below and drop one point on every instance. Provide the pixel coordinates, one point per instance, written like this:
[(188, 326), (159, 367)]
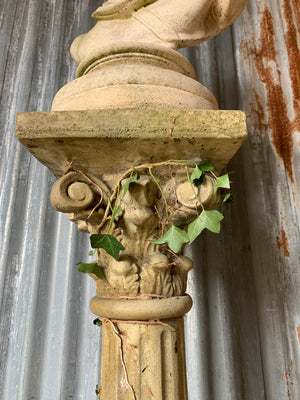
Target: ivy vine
[(176, 236)]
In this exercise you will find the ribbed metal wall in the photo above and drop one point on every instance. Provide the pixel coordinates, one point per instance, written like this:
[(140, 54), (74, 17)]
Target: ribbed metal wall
[(241, 335)]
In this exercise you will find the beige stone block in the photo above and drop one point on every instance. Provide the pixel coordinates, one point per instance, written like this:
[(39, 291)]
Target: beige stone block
[(111, 141)]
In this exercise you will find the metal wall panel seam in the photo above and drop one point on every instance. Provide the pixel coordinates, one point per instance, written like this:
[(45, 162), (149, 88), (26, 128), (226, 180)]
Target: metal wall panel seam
[(26, 288)]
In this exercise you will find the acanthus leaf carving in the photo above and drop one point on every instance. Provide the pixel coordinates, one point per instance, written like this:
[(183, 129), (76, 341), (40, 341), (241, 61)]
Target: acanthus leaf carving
[(143, 268)]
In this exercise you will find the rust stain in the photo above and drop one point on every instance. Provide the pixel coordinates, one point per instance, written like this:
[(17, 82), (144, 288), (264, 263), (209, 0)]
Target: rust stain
[(293, 52), (288, 376), (269, 73), (296, 7), (266, 64), (298, 333), (258, 109), (282, 243)]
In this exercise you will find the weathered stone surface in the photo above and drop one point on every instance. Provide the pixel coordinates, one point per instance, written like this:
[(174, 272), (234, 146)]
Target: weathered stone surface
[(141, 309), (140, 105), (143, 269), (147, 360), (132, 85), (134, 75), (175, 24), (110, 141), (89, 151), (129, 58)]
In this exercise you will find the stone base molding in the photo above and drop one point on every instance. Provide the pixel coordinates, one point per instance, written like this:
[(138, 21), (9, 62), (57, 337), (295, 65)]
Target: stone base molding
[(134, 76), (141, 309)]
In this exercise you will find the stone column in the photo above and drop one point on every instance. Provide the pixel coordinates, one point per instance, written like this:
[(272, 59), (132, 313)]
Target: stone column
[(143, 359), (122, 140), (141, 298)]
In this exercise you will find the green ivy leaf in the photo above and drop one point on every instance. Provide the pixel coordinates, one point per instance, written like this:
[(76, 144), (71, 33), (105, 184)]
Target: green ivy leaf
[(227, 198), (108, 243), (198, 182), (196, 174), (125, 187), (182, 226), (207, 220), (174, 237), (114, 213), (91, 268), (97, 322), (223, 181), (92, 252), (206, 166)]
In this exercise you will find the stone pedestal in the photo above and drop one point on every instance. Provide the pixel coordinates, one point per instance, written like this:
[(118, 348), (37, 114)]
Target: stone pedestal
[(123, 139), (141, 297)]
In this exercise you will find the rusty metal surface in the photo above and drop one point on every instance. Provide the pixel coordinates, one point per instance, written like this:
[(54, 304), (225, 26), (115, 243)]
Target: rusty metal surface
[(243, 333), (269, 63)]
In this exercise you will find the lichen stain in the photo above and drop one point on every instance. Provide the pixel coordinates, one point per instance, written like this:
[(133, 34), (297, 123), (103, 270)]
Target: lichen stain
[(269, 73), (282, 243)]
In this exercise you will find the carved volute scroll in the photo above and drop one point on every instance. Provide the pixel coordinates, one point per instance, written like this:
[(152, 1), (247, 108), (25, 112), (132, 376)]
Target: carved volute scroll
[(77, 195)]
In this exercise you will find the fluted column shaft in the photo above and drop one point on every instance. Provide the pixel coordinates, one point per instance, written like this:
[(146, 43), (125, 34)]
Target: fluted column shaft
[(143, 360)]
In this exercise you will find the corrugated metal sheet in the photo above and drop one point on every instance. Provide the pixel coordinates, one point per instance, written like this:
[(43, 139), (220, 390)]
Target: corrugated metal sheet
[(241, 335)]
